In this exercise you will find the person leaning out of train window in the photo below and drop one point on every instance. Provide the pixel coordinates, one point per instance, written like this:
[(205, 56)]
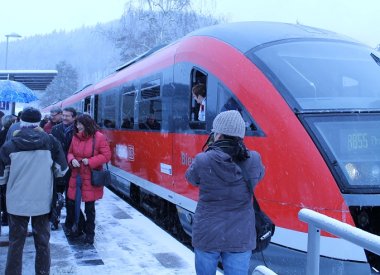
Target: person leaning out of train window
[(199, 94), (224, 218), (82, 160)]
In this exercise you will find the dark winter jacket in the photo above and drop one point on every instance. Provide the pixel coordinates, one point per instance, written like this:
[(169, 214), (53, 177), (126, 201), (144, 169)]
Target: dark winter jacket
[(64, 135), (27, 163), (3, 135), (14, 127), (224, 217), (80, 148)]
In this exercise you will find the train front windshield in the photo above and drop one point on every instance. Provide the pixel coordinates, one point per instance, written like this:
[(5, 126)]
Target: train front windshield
[(334, 88), (325, 75), (352, 144)]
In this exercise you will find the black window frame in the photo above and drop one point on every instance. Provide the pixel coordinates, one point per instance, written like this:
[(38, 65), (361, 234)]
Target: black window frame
[(148, 93), (197, 76)]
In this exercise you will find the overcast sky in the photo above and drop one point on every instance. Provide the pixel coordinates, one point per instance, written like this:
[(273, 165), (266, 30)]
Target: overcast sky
[(358, 19)]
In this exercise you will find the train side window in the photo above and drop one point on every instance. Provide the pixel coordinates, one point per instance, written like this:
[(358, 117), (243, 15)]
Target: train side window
[(108, 109), (198, 100), (150, 105), (128, 107), (87, 105), (227, 101)]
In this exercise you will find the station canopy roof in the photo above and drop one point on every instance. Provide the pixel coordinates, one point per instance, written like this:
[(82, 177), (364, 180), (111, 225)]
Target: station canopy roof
[(37, 80)]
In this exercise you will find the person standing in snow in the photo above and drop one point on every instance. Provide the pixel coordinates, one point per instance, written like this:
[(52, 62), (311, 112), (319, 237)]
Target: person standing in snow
[(55, 118), (224, 222), (63, 132), (7, 121), (89, 149), (28, 163)]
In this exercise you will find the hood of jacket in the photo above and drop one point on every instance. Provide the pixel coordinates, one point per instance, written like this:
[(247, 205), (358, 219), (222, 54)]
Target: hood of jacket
[(28, 139), (223, 165)]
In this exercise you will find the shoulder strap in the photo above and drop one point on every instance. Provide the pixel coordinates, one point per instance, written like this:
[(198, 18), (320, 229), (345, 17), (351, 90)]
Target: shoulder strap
[(256, 205), (93, 145), (93, 148)]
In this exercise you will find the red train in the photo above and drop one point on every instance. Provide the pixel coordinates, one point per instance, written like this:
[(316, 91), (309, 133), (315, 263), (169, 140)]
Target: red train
[(311, 102)]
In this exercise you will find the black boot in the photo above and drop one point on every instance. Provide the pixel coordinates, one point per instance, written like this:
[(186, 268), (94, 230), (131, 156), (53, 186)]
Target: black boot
[(70, 217), (56, 212), (89, 239), (72, 228), (90, 222), (3, 207)]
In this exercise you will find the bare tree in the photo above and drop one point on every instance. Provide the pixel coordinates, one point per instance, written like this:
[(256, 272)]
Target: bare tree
[(150, 23)]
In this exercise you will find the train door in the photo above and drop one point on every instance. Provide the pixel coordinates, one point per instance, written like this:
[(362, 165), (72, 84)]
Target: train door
[(87, 105), (191, 131), (94, 107), (81, 107), (153, 143)]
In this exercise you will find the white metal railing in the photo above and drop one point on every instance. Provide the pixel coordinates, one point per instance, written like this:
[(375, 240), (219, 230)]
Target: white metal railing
[(317, 222), (262, 270)]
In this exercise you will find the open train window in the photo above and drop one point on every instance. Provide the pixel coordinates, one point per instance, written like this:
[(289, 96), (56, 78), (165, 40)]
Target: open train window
[(150, 105), (198, 100), (87, 105), (94, 106), (128, 107), (227, 101)]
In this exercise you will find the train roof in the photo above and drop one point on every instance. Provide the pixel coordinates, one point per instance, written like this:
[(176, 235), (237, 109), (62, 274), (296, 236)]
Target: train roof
[(236, 34)]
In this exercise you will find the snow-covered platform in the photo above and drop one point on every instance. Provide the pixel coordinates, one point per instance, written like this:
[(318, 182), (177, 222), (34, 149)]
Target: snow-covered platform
[(126, 242)]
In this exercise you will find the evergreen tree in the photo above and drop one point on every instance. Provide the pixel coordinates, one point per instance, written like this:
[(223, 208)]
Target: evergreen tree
[(63, 85)]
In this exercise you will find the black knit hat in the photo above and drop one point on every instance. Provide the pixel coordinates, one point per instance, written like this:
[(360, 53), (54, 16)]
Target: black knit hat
[(31, 115)]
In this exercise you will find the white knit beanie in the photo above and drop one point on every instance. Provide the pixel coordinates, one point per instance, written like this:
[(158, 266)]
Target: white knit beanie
[(229, 123)]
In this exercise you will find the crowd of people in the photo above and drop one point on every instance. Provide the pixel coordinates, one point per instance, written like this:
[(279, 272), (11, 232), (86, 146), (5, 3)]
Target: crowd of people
[(54, 156)]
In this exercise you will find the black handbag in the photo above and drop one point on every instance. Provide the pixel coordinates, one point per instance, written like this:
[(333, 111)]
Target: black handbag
[(264, 226), (99, 177)]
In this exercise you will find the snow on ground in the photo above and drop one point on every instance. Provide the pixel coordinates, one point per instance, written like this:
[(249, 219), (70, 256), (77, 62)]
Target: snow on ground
[(125, 241)]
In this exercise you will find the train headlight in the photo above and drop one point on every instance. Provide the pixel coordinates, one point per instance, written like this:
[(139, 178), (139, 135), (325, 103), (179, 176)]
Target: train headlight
[(375, 171), (352, 171), (363, 173), (375, 174)]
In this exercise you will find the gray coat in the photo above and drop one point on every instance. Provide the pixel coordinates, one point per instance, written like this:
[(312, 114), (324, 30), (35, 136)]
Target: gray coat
[(27, 163), (224, 217)]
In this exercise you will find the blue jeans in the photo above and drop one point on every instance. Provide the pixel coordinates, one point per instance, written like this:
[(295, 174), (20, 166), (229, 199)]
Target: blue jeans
[(234, 263)]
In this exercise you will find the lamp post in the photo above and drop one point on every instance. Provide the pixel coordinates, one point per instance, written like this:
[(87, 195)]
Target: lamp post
[(15, 35)]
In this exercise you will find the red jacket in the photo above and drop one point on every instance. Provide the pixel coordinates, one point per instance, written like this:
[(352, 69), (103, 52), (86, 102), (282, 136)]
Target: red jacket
[(49, 125), (80, 148)]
